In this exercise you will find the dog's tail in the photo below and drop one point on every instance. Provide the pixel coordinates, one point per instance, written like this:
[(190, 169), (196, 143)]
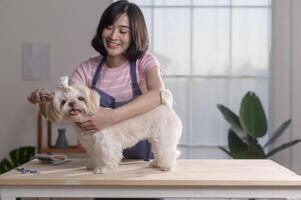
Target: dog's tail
[(166, 98)]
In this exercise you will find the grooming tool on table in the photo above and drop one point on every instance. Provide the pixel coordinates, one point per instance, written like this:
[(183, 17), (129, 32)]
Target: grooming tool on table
[(27, 171), (53, 159)]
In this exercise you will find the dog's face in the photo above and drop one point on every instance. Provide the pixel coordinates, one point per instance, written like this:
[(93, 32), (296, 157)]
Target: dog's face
[(73, 103)]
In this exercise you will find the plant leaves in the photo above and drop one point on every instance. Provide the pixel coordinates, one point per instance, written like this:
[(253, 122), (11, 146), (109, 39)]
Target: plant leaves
[(226, 151), (18, 157), (277, 133), (26, 154), (241, 150), (237, 147), (255, 151), (252, 116), (5, 166), (14, 156), (234, 122), (282, 147)]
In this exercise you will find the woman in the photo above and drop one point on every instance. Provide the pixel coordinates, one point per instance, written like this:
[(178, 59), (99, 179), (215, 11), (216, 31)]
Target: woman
[(125, 74)]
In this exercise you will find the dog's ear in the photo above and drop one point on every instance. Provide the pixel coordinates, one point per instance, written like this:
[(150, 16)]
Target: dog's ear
[(93, 104), (54, 114)]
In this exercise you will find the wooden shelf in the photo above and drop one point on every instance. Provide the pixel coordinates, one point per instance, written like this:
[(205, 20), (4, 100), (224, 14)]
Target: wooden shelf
[(71, 149), (49, 148)]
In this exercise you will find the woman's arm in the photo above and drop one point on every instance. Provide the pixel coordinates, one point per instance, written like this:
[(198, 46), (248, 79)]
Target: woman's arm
[(143, 103)]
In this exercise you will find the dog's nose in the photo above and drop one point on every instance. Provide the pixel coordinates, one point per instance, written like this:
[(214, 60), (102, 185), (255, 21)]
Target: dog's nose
[(71, 104)]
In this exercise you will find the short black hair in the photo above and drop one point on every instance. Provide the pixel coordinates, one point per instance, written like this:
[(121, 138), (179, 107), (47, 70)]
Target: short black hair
[(139, 35)]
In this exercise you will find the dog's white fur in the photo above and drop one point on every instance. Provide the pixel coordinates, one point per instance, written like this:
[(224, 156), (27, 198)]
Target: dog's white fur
[(161, 127)]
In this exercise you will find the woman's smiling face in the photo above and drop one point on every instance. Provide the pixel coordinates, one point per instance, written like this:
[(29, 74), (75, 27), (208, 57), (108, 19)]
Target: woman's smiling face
[(117, 37)]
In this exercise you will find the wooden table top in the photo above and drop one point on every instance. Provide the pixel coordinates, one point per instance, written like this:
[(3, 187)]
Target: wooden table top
[(137, 173)]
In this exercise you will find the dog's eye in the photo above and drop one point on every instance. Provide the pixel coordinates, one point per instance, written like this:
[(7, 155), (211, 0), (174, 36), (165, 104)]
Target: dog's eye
[(63, 102), (81, 98)]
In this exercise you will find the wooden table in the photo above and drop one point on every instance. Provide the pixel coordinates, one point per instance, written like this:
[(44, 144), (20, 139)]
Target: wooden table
[(190, 178)]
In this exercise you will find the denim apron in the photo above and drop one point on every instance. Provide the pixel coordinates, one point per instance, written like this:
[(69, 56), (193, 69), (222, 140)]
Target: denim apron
[(142, 150)]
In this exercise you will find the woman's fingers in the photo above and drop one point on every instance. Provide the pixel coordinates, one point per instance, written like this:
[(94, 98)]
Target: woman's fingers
[(87, 126), (84, 124), (34, 97), (89, 132), (40, 95), (31, 99), (44, 95)]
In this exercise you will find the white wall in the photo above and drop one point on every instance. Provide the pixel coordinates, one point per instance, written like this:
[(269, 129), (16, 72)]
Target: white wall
[(296, 83), (286, 68), (68, 26)]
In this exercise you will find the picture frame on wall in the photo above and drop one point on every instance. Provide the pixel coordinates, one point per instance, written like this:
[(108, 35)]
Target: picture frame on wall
[(36, 61)]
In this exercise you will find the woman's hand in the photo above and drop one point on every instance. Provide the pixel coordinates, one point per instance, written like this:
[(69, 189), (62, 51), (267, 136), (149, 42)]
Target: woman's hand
[(40, 95), (101, 120)]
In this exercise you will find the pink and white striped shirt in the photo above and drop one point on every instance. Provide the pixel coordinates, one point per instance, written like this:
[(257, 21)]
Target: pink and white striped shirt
[(115, 81)]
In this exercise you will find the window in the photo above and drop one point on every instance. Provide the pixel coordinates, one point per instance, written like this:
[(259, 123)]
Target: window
[(210, 51)]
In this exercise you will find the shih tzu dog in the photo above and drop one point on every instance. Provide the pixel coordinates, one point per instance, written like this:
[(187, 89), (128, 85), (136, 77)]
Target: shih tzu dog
[(160, 126)]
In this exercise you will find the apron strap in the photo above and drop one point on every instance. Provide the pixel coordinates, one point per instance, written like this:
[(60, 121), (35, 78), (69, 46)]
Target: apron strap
[(97, 73), (106, 100), (137, 92), (148, 152), (135, 85)]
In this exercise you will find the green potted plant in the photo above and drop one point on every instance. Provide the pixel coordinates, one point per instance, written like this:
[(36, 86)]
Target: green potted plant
[(18, 157), (250, 125)]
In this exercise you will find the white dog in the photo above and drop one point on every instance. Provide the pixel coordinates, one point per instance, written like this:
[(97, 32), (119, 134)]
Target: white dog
[(160, 126)]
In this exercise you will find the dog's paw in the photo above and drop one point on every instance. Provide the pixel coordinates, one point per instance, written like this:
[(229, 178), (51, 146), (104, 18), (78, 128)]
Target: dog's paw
[(90, 166), (165, 169), (166, 166), (98, 170), (153, 164)]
